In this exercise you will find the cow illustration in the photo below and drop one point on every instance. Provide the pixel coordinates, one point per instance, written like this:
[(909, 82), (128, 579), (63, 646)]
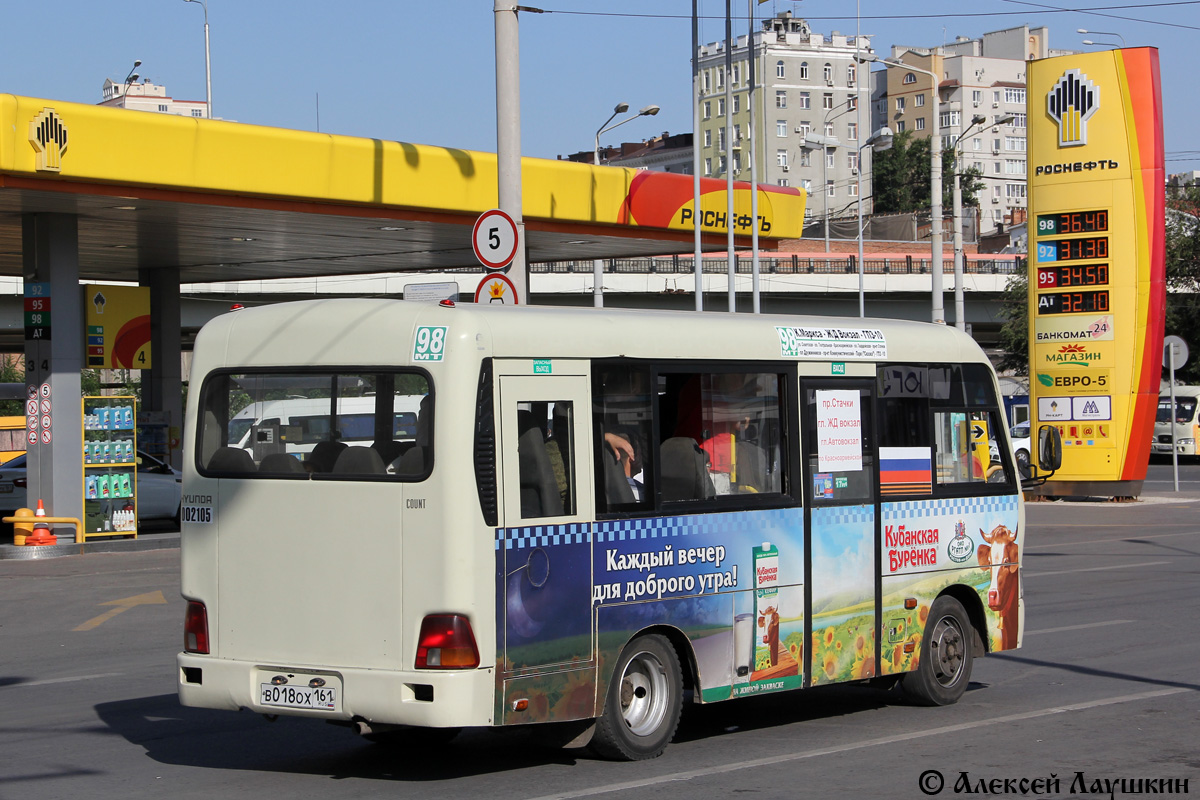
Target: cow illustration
[(1000, 555)]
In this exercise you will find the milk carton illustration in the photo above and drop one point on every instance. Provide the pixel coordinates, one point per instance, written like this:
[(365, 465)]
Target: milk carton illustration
[(766, 599)]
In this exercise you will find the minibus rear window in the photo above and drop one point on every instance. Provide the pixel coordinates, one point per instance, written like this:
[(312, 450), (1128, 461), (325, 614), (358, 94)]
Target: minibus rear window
[(356, 425)]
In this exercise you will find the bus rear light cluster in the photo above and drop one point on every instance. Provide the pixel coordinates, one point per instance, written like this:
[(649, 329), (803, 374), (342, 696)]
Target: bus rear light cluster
[(195, 628), (446, 642)]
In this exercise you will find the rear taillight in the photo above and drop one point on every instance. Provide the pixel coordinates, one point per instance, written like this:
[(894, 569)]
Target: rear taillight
[(446, 642), (195, 628), (21, 483)]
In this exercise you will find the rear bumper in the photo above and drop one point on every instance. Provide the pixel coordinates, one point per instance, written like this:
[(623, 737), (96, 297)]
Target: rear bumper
[(427, 698)]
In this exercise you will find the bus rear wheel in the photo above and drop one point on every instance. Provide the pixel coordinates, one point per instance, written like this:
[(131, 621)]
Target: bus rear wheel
[(944, 668), (643, 704)]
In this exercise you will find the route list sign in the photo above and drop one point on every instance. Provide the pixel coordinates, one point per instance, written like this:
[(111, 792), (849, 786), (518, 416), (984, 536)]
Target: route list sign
[(839, 430)]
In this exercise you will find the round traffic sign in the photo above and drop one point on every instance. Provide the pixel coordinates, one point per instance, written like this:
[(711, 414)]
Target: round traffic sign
[(31, 392), (45, 406), (45, 390), (45, 420), (33, 437), (494, 239), (46, 436), (1174, 349), (31, 408), (497, 288)]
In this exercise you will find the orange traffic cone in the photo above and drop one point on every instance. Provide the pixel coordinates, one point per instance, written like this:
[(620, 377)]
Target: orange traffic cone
[(41, 531)]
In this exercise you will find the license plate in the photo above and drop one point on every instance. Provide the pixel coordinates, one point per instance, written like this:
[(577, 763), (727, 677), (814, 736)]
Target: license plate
[(6, 488), (301, 696)]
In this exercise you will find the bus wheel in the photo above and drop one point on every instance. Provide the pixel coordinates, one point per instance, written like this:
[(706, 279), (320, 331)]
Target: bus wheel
[(944, 669), (643, 704)]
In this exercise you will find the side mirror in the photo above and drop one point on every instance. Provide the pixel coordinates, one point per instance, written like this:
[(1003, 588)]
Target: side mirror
[(1049, 448)]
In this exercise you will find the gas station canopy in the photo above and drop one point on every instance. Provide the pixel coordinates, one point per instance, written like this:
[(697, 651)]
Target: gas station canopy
[(225, 201)]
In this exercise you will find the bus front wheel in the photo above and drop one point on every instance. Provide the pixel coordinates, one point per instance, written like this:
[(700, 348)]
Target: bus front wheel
[(944, 668), (644, 700)]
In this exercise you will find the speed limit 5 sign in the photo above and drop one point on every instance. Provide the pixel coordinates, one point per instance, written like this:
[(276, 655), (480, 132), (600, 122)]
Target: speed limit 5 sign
[(494, 239)]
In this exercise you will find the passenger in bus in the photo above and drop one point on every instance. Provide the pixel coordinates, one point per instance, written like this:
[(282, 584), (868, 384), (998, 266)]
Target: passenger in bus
[(626, 446)]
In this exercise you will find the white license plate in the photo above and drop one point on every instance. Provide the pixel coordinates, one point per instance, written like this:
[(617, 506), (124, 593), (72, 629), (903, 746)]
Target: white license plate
[(300, 696)]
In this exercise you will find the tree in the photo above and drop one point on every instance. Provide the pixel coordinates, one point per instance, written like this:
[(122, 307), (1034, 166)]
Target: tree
[(1183, 276), (1014, 333), (1183, 291), (901, 177)]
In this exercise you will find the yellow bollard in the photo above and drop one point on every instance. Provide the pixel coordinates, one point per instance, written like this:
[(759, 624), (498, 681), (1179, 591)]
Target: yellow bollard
[(21, 530)]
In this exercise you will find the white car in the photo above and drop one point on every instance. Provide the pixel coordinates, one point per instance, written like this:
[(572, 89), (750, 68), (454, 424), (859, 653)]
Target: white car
[(158, 488), (1019, 436)]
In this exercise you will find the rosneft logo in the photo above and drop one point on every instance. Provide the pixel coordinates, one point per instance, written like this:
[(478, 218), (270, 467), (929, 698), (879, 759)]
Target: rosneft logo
[(48, 136), (1071, 103)]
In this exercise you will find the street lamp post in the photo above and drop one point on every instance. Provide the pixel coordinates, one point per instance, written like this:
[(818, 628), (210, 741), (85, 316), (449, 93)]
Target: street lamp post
[(1101, 33), (878, 142), (826, 143), (959, 303), (598, 264), (935, 185), (207, 62), (131, 78), (832, 141)]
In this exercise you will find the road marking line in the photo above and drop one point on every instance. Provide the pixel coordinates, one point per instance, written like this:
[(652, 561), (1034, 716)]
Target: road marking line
[(1080, 627), (1029, 574), (49, 681), (885, 740)]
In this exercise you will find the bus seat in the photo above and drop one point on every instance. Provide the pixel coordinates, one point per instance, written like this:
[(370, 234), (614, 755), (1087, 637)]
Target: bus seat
[(684, 474), (617, 490), (539, 489), (280, 464), (231, 459), (359, 461), (210, 441), (325, 455), (389, 449)]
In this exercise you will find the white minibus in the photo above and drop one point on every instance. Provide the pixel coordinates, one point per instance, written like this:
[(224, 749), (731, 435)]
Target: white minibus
[(595, 516)]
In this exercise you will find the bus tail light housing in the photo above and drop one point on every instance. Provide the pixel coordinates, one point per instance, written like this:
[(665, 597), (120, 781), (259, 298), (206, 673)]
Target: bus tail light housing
[(195, 628), (446, 642)]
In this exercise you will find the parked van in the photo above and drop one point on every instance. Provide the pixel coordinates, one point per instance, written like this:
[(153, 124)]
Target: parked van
[(12, 438), (1187, 426), (296, 424)]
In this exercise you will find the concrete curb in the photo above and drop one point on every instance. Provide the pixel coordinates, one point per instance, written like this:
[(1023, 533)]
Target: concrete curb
[(150, 541)]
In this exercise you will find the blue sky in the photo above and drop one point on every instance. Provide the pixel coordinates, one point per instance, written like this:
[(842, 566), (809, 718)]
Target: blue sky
[(424, 72)]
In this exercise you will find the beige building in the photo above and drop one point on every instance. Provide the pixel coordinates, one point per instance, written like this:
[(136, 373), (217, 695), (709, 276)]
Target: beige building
[(809, 125), (978, 78), (148, 96)]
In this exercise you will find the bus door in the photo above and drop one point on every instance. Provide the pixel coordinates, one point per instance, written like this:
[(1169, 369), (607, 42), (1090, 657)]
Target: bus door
[(841, 490), (544, 551)]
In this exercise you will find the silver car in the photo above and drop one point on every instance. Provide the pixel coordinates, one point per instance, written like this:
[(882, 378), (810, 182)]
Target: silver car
[(158, 488)]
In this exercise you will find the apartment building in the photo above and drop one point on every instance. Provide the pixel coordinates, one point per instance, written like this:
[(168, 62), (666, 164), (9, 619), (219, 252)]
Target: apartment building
[(811, 113), (981, 105)]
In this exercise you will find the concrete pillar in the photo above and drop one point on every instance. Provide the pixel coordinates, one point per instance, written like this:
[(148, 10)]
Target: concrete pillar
[(50, 253), (162, 385)]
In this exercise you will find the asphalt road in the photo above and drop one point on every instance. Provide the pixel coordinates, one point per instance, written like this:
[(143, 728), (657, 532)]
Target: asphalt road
[(1105, 686)]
